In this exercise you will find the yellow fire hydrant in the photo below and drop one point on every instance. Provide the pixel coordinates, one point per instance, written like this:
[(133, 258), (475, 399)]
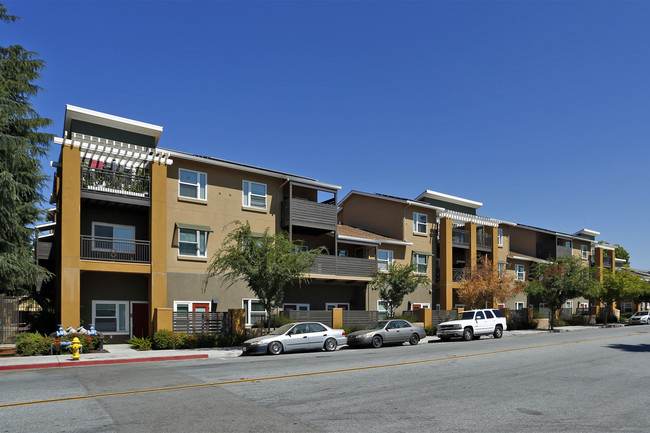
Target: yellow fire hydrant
[(76, 345)]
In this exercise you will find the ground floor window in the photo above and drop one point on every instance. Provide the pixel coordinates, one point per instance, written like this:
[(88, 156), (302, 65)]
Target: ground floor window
[(111, 317), (542, 305), (419, 305), (332, 305), (191, 306), (254, 311), (626, 307), (382, 310), (519, 305), (568, 305), (295, 307)]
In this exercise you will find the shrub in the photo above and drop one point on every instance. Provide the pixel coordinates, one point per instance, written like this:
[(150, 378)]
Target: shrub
[(625, 316), (165, 339), (139, 343), (576, 321), (33, 343), (410, 319), (281, 320), (231, 340), (431, 330)]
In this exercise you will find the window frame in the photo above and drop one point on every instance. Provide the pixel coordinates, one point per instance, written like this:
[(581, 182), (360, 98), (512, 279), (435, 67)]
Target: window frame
[(198, 243), (584, 251), (113, 240), (501, 269), (299, 306), (387, 262), (190, 305), (330, 305), (200, 175), (500, 237), (127, 314), (518, 272), (417, 224), (519, 304), (246, 304), (247, 202), (416, 265)]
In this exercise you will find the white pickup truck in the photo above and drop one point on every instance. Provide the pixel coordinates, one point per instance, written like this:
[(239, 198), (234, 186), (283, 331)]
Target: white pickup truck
[(474, 323)]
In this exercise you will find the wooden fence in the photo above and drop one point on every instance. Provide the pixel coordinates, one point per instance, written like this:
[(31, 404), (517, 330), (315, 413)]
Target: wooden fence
[(203, 323)]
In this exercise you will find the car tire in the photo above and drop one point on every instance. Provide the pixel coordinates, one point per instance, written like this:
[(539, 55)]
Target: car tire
[(377, 341), (275, 348), (468, 334), (330, 345), (415, 339), (498, 332)]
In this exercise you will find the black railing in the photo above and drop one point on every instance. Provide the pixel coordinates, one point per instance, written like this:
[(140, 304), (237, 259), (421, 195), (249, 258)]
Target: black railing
[(116, 250), (484, 240), (460, 237), (202, 323), (115, 182)]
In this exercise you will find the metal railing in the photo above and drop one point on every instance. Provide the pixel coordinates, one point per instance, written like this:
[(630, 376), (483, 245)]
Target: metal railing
[(115, 182), (457, 274), (202, 323), (460, 237), (563, 251), (114, 249), (484, 240), (343, 266)]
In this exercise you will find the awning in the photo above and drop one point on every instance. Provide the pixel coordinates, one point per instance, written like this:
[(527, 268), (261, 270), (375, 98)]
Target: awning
[(194, 227), (422, 253)]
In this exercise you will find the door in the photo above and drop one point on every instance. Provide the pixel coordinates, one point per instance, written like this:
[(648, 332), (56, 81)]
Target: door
[(299, 338), (200, 321), (140, 319), (317, 335)]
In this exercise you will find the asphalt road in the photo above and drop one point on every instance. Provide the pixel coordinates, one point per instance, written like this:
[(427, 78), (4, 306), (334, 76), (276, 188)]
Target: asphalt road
[(591, 381)]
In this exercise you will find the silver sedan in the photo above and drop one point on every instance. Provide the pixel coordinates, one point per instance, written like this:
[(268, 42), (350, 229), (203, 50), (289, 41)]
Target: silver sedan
[(296, 336), (386, 332)]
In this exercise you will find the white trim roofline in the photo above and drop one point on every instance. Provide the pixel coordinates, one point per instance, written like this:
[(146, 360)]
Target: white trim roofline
[(394, 199), (435, 195)]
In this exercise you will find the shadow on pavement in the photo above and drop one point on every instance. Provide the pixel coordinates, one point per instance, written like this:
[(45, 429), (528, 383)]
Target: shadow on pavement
[(631, 347)]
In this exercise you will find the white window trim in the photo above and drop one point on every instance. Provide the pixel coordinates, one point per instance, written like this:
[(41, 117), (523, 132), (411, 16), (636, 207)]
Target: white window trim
[(248, 310), (500, 237), (198, 244), (584, 253), (426, 263), (191, 305), (336, 305), (421, 304), (197, 185), (517, 273), (297, 304), (113, 239), (127, 319), (388, 261), (247, 197), (517, 304), (570, 305), (501, 269), (417, 223)]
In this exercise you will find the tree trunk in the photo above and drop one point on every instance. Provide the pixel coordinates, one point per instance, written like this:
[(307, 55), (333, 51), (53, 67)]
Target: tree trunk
[(551, 320)]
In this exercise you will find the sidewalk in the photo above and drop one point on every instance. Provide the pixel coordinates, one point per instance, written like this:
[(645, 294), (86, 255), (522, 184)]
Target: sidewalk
[(122, 353)]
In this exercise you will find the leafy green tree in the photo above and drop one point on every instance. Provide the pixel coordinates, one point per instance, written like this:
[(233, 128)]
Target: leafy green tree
[(267, 263), (619, 286), (395, 283), (560, 279), (21, 176), (621, 253)]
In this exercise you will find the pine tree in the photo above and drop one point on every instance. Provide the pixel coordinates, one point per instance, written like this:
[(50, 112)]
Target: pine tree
[(21, 175)]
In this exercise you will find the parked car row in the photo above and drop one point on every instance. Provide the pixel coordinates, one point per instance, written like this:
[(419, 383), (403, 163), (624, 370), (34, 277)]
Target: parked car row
[(317, 336)]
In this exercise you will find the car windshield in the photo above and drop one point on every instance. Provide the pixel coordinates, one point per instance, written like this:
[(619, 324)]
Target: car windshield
[(377, 325), (641, 313), (282, 329), (465, 315)]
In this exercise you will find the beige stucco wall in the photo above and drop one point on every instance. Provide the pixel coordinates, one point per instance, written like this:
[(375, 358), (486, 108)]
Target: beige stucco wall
[(373, 214)]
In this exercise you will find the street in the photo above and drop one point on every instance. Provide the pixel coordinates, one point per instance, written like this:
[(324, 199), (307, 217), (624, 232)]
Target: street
[(561, 382)]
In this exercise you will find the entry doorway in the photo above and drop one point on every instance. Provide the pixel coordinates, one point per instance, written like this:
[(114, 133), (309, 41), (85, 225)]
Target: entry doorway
[(139, 319)]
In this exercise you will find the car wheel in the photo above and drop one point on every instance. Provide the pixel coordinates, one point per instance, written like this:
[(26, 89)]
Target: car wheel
[(330, 345), (468, 334), (498, 332), (445, 338), (275, 348), (377, 341), (415, 339)]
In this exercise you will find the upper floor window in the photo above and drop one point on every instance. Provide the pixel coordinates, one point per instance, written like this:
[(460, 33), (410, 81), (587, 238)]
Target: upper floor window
[(584, 251), (254, 194), (113, 237), (192, 243), (520, 273), (419, 222), (384, 259), (500, 237), (191, 184), (420, 263), (564, 243), (502, 268)]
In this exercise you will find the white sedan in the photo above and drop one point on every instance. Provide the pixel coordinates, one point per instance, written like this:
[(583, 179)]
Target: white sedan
[(296, 336), (639, 318)]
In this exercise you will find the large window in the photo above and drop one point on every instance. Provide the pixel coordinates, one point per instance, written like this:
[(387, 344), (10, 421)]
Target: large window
[(420, 263), (419, 222), (191, 243), (191, 184), (500, 237), (520, 273), (295, 307), (331, 305), (254, 311), (113, 237), (111, 317), (384, 259), (584, 251), (254, 194)]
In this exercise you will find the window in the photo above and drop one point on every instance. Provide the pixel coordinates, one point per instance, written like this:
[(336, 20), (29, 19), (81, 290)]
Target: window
[(520, 274), (419, 222), (331, 305), (542, 305), (626, 307), (295, 307), (500, 237), (488, 314), (584, 251), (382, 310), (191, 184), (568, 305), (502, 269), (111, 317), (254, 194), (419, 305), (191, 243), (254, 311), (479, 315), (343, 253), (519, 305), (113, 237), (384, 259), (564, 243), (420, 263), (301, 248), (191, 306)]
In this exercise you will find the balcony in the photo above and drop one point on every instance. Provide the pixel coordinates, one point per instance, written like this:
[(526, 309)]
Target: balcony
[(607, 262), (563, 251), (344, 266), (460, 237), (307, 213), (484, 241), (457, 274), (115, 250), (103, 184)]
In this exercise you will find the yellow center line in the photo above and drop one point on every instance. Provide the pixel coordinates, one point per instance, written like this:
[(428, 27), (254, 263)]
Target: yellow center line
[(296, 375)]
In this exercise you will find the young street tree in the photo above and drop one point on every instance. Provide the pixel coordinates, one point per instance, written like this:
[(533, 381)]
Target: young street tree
[(560, 279), (395, 283), (21, 177), (267, 263), (482, 286), (619, 286)]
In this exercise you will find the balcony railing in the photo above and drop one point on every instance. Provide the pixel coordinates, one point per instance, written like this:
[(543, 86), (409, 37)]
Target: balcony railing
[(483, 240), (306, 213), (457, 274), (563, 251), (115, 250), (114, 182), (460, 237), (607, 262), (344, 266)]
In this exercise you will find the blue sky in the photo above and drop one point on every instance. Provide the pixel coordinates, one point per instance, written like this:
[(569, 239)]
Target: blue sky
[(537, 109)]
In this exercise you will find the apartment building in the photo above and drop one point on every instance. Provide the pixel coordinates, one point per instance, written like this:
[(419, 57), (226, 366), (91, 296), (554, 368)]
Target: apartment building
[(136, 224)]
